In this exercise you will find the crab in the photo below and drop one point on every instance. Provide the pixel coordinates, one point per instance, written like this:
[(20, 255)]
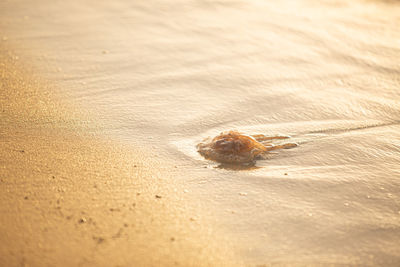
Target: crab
[(233, 147)]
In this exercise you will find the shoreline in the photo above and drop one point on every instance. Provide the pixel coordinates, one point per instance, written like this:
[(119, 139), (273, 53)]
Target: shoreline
[(69, 198), (91, 89)]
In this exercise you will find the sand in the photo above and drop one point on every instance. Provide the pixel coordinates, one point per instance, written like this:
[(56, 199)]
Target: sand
[(71, 198), (123, 83)]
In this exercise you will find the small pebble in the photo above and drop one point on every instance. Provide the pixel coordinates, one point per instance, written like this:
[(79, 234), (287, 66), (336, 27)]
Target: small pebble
[(285, 173), (158, 196), (112, 209), (99, 239), (82, 220), (243, 194)]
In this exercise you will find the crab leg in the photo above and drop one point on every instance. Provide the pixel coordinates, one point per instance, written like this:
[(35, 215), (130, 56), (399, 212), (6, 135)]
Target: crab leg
[(261, 137), (283, 146)]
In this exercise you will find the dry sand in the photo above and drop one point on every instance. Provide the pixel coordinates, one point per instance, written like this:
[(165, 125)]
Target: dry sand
[(122, 83)]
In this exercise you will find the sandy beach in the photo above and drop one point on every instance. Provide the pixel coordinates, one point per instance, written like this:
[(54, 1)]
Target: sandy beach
[(71, 198), (102, 105)]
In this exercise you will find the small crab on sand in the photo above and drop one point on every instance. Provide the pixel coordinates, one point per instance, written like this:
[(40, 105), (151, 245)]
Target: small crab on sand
[(236, 148)]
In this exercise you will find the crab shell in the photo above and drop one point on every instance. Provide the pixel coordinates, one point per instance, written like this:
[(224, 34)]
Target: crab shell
[(231, 147)]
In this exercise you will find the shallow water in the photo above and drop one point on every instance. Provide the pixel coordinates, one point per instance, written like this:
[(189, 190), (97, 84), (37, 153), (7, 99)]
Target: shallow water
[(166, 74)]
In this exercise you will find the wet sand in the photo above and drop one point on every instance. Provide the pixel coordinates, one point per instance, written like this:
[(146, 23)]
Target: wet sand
[(145, 81), (73, 198)]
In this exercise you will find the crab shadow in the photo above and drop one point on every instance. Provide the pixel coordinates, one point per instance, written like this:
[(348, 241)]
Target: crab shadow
[(238, 167)]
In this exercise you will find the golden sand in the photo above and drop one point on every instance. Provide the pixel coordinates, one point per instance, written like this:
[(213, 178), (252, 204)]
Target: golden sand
[(69, 198)]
